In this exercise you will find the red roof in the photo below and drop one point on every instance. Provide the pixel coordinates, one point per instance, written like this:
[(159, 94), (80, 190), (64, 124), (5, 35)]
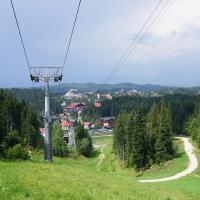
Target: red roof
[(108, 96), (85, 123), (66, 124), (75, 105), (71, 106), (98, 104), (42, 130)]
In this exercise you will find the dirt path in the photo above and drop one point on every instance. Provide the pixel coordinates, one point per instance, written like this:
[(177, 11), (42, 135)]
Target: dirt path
[(101, 156), (193, 164)]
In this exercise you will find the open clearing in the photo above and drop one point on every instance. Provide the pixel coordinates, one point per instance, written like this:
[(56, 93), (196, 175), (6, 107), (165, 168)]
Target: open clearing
[(79, 179)]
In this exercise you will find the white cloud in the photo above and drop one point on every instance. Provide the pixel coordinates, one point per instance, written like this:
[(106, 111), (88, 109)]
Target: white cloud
[(175, 33)]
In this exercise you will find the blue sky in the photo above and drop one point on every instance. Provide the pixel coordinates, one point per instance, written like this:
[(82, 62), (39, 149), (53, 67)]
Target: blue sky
[(167, 54)]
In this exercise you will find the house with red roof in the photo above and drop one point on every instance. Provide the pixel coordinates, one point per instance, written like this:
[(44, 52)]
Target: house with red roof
[(75, 107), (66, 125)]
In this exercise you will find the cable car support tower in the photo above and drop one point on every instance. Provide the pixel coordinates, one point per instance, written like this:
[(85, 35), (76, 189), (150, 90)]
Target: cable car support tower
[(46, 74)]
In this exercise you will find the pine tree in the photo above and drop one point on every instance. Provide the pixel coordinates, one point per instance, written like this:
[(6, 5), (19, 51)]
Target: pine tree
[(119, 136), (139, 141), (163, 145), (152, 125), (129, 139)]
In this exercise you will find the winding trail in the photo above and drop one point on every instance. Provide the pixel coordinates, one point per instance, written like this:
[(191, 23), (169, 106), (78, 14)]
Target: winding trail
[(193, 164)]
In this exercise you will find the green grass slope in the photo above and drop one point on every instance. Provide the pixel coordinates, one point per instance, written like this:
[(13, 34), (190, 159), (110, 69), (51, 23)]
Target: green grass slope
[(85, 179)]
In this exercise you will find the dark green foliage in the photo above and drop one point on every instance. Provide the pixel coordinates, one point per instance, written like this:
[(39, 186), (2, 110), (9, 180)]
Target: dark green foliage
[(17, 152), (182, 106), (129, 134), (152, 128), (18, 124), (163, 144), (141, 140), (30, 129), (119, 139), (84, 147), (130, 139), (192, 126), (34, 97), (13, 138), (83, 141), (60, 149)]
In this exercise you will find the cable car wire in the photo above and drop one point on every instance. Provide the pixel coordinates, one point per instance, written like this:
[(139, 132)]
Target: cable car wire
[(116, 69), (71, 36), (20, 34), (133, 44)]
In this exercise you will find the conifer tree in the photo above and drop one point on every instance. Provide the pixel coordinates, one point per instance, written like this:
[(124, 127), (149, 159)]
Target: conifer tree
[(163, 145), (139, 141), (152, 125), (129, 134), (119, 136)]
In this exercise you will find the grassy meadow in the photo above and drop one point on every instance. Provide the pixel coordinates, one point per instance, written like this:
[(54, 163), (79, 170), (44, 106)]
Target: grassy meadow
[(97, 178)]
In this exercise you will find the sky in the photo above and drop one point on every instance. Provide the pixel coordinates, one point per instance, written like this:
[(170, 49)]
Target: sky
[(167, 53)]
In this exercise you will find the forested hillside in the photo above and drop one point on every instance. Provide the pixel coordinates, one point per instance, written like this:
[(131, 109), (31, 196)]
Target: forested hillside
[(87, 87), (192, 125), (35, 98), (182, 107), (19, 127), (143, 139)]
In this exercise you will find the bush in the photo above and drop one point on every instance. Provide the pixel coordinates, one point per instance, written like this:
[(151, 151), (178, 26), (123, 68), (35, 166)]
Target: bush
[(83, 141), (13, 138), (60, 149), (17, 152), (85, 147)]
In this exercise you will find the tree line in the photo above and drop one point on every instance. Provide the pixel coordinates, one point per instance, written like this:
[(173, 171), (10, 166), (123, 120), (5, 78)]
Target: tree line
[(19, 127), (141, 139), (19, 131), (192, 125), (83, 141), (182, 107), (34, 97)]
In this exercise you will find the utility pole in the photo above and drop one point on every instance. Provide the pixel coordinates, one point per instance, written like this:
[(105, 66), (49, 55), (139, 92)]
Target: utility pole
[(46, 74)]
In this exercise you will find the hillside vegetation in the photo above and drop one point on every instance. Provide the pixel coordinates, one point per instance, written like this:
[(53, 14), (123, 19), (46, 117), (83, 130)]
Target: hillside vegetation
[(81, 178)]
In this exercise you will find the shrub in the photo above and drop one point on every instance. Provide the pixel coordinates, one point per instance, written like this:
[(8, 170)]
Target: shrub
[(83, 141), (60, 149), (17, 152), (85, 147), (13, 138)]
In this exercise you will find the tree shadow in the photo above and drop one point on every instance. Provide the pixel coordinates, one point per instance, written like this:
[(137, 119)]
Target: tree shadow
[(95, 153), (179, 155)]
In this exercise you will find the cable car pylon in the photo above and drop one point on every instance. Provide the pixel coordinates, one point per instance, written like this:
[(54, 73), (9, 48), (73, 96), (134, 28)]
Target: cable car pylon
[(46, 74)]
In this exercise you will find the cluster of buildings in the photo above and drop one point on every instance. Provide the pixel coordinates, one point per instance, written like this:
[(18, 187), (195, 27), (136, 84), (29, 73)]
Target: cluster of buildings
[(73, 93), (124, 92), (72, 113)]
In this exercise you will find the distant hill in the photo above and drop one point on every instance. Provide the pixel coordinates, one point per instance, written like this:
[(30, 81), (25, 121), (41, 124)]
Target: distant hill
[(85, 87), (181, 90)]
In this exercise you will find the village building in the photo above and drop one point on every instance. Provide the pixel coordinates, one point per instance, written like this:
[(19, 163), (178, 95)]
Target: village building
[(76, 107), (107, 122), (73, 94)]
